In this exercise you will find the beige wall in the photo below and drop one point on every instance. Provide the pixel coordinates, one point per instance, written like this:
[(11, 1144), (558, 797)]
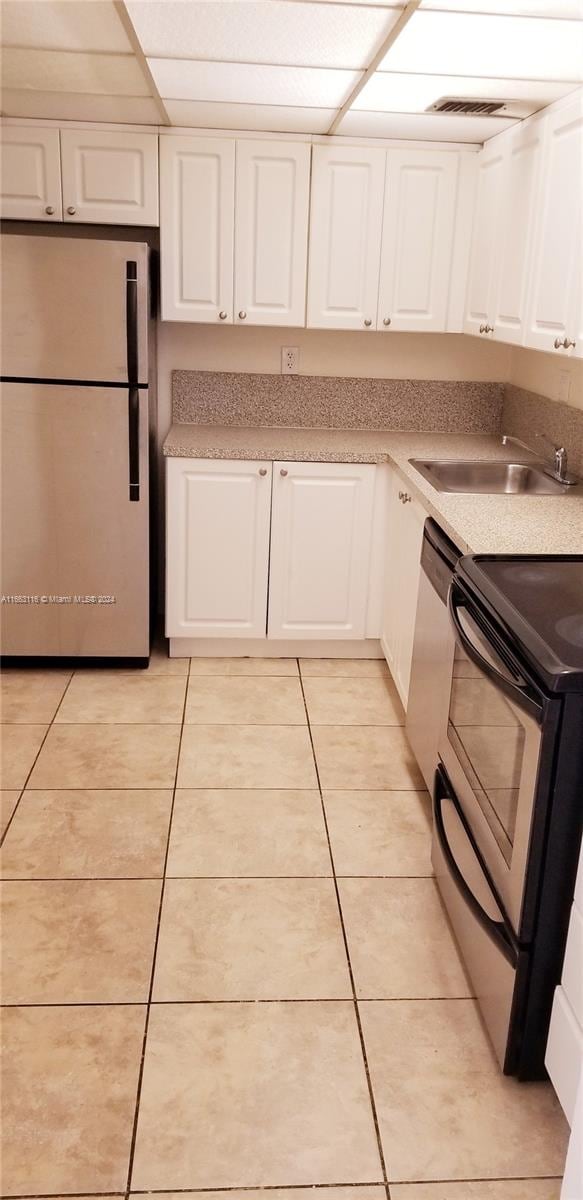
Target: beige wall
[(542, 373), (376, 355)]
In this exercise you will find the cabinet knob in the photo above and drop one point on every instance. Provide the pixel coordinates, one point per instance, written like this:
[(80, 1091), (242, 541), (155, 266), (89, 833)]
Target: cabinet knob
[(222, 315), (242, 314), (404, 497), (49, 210), (489, 329), (386, 320), (71, 210), (283, 471), (563, 343), (568, 342), (263, 470), (367, 321)]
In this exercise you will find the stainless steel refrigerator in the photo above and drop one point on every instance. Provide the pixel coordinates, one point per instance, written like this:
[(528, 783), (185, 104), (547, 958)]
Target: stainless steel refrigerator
[(77, 415)]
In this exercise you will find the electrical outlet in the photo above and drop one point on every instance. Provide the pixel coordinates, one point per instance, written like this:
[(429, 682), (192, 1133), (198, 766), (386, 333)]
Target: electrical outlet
[(290, 360), (564, 386)]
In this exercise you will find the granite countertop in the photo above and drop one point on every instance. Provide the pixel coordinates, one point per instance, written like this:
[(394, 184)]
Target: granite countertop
[(477, 523)]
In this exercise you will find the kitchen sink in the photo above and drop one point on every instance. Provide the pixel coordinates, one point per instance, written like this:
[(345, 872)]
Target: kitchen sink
[(494, 478)]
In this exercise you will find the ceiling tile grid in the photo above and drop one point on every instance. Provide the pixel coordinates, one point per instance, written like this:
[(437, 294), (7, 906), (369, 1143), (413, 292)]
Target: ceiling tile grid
[(291, 65)]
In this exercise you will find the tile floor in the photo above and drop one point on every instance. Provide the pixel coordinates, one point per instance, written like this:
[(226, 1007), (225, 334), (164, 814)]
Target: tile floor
[(225, 962)]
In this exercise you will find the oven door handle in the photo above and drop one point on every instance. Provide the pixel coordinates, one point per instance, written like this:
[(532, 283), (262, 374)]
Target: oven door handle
[(517, 691), (499, 932)]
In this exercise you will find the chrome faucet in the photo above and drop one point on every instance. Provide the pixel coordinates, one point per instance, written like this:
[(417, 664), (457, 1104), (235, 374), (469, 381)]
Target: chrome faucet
[(559, 469), (559, 458)]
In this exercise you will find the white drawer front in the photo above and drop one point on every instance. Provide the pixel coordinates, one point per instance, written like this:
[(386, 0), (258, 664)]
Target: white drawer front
[(564, 1056)]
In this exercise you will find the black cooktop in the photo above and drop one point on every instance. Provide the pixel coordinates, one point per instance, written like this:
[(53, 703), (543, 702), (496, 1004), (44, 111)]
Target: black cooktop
[(539, 600)]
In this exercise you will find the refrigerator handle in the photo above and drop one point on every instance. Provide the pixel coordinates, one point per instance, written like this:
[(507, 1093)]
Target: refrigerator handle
[(133, 392), (134, 441)]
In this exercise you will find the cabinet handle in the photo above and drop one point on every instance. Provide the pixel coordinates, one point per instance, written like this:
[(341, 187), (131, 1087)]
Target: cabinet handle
[(242, 314), (71, 210), (222, 315), (386, 320), (263, 470), (49, 210), (367, 321), (283, 471)]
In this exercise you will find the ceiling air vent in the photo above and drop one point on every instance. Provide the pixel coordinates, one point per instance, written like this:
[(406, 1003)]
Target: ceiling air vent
[(459, 106)]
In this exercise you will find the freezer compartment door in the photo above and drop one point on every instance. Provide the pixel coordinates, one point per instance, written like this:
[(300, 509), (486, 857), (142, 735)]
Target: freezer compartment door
[(75, 546), (65, 309)]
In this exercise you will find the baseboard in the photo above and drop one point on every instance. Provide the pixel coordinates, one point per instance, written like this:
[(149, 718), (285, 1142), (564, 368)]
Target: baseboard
[(264, 648)]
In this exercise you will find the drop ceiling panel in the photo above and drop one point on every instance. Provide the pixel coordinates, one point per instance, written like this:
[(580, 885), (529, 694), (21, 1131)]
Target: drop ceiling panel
[(244, 83), (503, 47), (391, 92), (59, 71), (307, 34), (265, 117), (63, 25), (524, 8), (71, 106), (427, 127)]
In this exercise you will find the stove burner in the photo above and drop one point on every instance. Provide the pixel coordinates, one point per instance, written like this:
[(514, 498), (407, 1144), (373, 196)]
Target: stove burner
[(570, 629)]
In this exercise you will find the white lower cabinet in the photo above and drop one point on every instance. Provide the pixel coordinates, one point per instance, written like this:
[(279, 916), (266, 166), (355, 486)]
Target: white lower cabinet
[(217, 547), (318, 565), (321, 530), (402, 572)]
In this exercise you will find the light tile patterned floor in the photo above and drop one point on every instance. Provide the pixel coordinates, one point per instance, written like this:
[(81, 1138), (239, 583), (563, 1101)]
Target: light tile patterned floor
[(225, 962)]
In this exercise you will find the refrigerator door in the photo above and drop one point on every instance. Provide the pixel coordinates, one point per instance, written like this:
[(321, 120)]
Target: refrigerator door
[(74, 559), (65, 309)]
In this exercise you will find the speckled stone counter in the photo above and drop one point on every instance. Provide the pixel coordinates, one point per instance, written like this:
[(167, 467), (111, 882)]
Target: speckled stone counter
[(477, 523)]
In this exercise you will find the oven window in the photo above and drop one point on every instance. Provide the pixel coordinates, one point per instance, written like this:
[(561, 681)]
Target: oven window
[(489, 739)]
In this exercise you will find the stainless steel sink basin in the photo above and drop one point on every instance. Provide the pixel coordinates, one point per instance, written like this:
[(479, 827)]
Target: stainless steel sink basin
[(513, 478)]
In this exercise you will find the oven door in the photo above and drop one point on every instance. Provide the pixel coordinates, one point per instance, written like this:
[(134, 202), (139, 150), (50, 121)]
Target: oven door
[(491, 746)]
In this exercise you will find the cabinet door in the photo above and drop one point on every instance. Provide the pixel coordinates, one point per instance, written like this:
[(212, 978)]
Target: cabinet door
[(484, 256), (321, 528), (555, 311), (30, 174), (109, 177), (217, 547), (418, 224), (271, 232), (524, 146), (406, 520), (197, 202), (345, 237)]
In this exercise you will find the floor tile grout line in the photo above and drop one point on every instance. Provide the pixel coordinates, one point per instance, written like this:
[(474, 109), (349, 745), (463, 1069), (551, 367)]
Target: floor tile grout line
[(347, 952), (192, 878), (348, 999), (154, 956), (47, 731), (271, 1187)]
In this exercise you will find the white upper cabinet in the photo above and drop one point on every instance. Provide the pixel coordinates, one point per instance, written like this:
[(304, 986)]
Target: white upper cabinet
[(110, 177), (271, 232), (522, 167), (321, 529), (345, 236), (417, 239), (555, 313), (31, 174), (197, 192), (482, 280), (217, 547)]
